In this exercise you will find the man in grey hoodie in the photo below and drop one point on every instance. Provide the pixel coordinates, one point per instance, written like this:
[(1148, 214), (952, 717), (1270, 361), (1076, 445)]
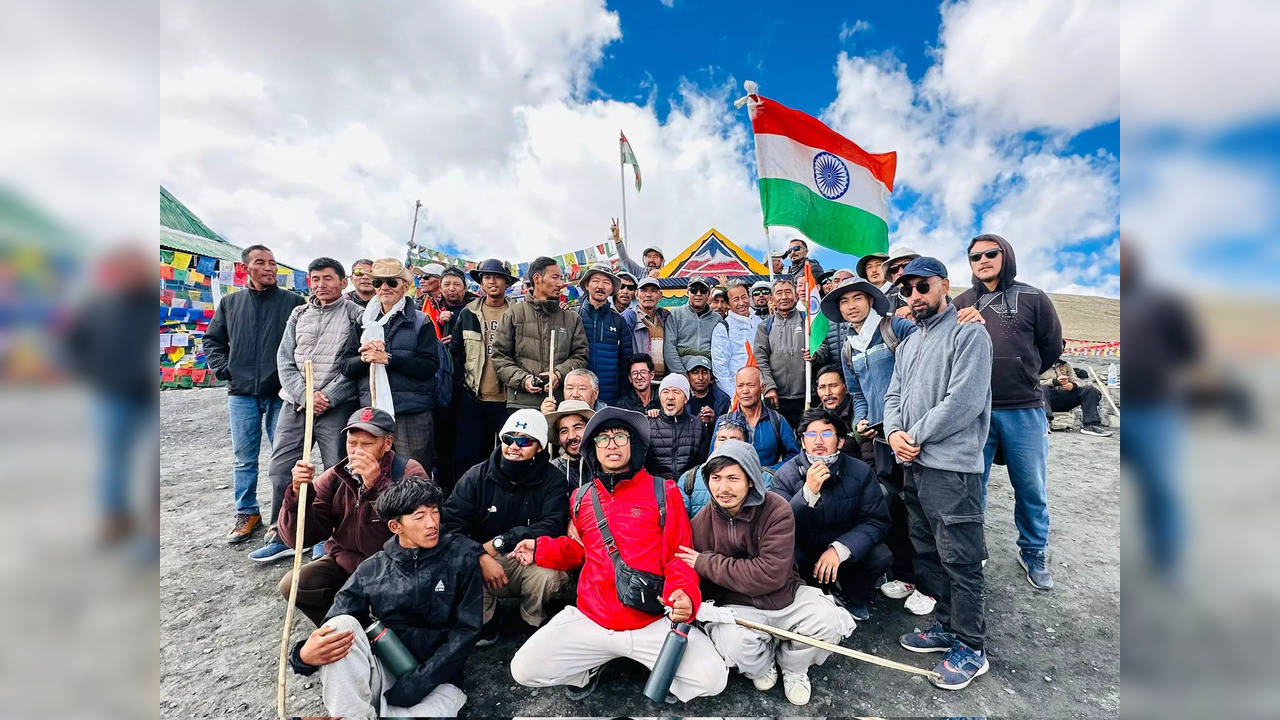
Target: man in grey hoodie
[(936, 414)]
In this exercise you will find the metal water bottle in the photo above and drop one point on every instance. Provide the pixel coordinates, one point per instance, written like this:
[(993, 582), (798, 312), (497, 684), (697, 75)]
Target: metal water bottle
[(664, 668), (387, 647)]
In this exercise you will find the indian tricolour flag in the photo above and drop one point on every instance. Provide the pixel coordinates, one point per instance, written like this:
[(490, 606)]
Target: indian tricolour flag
[(819, 182)]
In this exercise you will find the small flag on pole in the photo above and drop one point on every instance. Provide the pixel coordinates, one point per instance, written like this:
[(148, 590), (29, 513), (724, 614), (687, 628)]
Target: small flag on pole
[(818, 323), (629, 157)]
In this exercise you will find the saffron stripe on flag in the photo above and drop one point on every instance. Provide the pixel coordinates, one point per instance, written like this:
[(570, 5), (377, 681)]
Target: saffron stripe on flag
[(778, 156), (771, 117)]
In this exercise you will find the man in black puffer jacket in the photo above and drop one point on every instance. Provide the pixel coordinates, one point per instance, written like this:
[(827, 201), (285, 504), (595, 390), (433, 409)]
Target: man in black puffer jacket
[(240, 347), (424, 586), (516, 494), (841, 516), (678, 441)]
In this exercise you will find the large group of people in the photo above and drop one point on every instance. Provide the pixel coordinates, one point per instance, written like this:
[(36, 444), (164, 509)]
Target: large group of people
[(482, 442)]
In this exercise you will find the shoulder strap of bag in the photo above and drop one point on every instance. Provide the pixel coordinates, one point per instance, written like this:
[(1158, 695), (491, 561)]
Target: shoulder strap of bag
[(398, 464), (602, 523), (887, 333), (660, 494)]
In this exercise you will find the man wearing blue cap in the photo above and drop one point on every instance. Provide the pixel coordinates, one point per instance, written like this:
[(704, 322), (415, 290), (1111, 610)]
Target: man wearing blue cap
[(936, 414)]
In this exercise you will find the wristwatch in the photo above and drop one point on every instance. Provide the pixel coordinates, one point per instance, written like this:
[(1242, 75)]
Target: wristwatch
[(498, 543)]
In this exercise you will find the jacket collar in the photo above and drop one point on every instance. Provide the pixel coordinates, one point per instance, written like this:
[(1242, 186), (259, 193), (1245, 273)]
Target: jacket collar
[(929, 323), (408, 556)]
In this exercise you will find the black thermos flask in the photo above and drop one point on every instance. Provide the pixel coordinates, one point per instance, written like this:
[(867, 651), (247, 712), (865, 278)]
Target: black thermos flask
[(664, 669)]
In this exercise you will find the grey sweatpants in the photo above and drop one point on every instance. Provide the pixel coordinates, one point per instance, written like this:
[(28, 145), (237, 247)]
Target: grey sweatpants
[(570, 644), (812, 613), (351, 684), (286, 448)]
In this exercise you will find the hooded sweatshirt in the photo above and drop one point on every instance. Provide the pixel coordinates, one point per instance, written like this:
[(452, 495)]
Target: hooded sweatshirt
[(515, 500), (747, 559), (1026, 336), (644, 542)]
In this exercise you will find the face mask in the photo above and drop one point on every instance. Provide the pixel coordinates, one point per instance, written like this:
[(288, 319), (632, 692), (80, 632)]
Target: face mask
[(824, 459)]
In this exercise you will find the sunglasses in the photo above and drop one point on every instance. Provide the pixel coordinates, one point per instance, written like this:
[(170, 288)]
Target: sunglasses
[(990, 255), (392, 283), (758, 293), (795, 248), (358, 273), (696, 291), (520, 441), (632, 288), (825, 434), (619, 439), (898, 267), (920, 286)]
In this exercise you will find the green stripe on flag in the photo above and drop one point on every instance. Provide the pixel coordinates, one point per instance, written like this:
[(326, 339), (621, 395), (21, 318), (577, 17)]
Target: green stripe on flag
[(833, 225), (818, 327)]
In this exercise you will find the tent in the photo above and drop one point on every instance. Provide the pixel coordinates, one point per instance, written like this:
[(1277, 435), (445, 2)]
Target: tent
[(710, 256)]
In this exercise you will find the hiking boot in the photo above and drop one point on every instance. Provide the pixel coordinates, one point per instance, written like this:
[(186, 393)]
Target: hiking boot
[(593, 682), (897, 590), (245, 525), (1096, 430), (272, 549), (859, 611), (796, 687), (919, 603), (1033, 561), (935, 639), (490, 632), (765, 682), (961, 665)]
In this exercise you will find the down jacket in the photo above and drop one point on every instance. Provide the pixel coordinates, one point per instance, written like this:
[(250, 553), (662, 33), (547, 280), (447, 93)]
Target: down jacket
[(676, 443), (485, 504), (319, 334), (431, 598), (243, 336), (411, 372), (850, 508), (608, 347), (520, 348)]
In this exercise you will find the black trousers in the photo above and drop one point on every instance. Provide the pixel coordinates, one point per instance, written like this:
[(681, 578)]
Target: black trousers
[(791, 409), (478, 424), (1086, 397), (856, 576), (889, 473), (945, 508)]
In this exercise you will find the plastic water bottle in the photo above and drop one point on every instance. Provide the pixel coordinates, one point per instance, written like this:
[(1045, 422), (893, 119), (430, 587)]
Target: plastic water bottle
[(1113, 375)]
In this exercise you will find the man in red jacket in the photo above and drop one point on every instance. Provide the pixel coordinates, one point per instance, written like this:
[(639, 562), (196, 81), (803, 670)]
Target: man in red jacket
[(647, 529), (340, 506)]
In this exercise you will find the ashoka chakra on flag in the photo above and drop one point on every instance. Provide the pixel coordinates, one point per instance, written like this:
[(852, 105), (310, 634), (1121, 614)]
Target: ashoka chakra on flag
[(819, 182)]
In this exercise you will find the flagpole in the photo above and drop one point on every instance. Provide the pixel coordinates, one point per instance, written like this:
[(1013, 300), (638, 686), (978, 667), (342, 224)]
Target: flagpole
[(808, 330), (622, 185)]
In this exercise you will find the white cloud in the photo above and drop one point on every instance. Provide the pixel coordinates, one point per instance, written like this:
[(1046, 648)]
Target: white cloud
[(1025, 65), (847, 31)]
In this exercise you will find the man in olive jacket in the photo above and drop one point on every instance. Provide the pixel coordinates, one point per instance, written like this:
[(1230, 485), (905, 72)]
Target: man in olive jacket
[(745, 552), (520, 347)]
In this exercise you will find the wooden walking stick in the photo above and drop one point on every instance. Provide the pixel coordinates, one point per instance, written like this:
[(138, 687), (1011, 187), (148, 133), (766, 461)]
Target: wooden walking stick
[(551, 364), (373, 385), (840, 650), (297, 544), (1106, 394)]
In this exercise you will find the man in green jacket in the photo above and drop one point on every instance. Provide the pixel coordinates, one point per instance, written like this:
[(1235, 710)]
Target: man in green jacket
[(521, 347)]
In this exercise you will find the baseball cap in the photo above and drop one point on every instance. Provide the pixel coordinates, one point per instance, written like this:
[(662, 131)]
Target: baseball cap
[(648, 281), (372, 420), (433, 270), (761, 285), (924, 266), (696, 361), (699, 281)]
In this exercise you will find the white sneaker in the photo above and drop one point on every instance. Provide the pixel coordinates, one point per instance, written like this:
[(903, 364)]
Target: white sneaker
[(896, 589), (919, 603), (765, 682), (796, 687)]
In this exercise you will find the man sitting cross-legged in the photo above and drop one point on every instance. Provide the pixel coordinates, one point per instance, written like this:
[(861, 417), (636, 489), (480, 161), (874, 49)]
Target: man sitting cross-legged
[(745, 540), (424, 586), (515, 494), (622, 510)]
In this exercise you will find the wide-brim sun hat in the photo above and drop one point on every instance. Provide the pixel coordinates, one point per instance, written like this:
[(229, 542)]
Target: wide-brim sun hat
[(492, 266), (861, 269), (831, 303), (601, 270), (385, 268)]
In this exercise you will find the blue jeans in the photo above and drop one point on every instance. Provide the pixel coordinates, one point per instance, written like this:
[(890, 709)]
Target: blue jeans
[(1023, 437), (248, 414), (124, 421), (1150, 443)]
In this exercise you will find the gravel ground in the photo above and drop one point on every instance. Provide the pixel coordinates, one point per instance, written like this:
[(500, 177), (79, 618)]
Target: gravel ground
[(1052, 653)]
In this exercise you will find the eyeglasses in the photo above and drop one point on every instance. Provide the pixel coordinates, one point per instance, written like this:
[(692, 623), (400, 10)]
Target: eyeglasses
[(758, 293), (621, 439), (520, 441), (990, 255), (632, 288), (920, 286), (640, 373), (392, 283), (825, 434)]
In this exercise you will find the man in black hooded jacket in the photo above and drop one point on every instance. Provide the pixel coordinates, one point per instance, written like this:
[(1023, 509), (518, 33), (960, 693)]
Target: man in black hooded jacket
[(1026, 340), (516, 494)]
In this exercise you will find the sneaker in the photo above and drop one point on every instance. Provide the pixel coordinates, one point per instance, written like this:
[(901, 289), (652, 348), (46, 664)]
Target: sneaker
[(859, 611), (961, 665), (245, 525), (935, 639), (896, 589), (765, 682), (919, 603), (1038, 575), (490, 632), (1096, 430), (318, 551), (272, 549), (593, 682), (796, 687)]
